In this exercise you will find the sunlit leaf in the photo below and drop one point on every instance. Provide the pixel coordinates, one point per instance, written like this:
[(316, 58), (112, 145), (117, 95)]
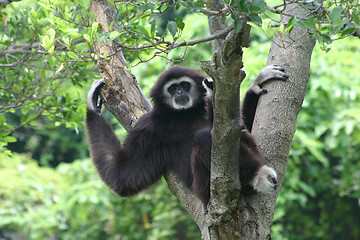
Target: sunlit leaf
[(335, 14), (172, 27)]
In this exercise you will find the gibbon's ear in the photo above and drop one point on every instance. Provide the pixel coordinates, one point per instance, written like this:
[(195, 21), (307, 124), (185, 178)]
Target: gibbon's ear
[(94, 102)]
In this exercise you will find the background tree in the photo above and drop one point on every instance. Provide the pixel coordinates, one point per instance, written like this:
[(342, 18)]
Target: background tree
[(103, 41)]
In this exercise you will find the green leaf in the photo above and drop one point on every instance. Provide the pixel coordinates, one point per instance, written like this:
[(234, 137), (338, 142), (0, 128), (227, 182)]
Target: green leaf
[(44, 6), (306, 25), (290, 24), (292, 20), (9, 139), (3, 134), (95, 26), (163, 8), (114, 35), (45, 42), (60, 68), (31, 117), (51, 49), (72, 55), (255, 18), (51, 33), (172, 27), (347, 31), (319, 38), (238, 25), (179, 22), (103, 36), (87, 38), (356, 17), (117, 15), (258, 6), (144, 32), (256, 27), (335, 14)]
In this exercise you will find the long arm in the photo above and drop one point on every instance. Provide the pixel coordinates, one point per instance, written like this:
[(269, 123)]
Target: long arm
[(126, 170), (248, 107)]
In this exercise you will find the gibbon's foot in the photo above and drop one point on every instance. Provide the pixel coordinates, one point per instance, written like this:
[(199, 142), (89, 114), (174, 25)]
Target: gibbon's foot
[(265, 180), (94, 102), (268, 73)]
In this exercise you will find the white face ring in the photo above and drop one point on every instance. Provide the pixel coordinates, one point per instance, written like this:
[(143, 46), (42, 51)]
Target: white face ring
[(170, 100)]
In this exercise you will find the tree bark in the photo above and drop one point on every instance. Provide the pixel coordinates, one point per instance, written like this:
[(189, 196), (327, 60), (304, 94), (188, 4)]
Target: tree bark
[(122, 94), (226, 132)]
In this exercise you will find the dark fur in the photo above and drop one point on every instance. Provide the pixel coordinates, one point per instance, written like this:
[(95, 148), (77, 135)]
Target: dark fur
[(250, 156), (166, 139)]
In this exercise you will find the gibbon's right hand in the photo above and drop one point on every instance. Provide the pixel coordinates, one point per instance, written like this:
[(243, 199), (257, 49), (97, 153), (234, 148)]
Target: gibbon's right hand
[(94, 102), (208, 84), (270, 72)]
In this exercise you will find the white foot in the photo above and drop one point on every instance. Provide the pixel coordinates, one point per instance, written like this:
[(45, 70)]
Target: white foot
[(265, 179)]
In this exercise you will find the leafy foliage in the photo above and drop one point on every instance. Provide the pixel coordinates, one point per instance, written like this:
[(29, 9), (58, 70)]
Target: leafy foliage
[(327, 21), (71, 202), (38, 76), (323, 182)]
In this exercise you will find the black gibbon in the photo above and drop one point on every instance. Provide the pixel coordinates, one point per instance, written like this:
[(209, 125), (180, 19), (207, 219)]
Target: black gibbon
[(176, 136)]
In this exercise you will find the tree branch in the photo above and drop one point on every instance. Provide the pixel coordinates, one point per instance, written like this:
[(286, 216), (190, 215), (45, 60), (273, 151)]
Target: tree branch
[(122, 95)]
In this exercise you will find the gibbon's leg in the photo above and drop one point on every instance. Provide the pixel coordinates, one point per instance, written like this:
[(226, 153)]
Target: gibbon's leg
[(125, 170), (248, 107), (253, 169), (200, 164), (265, 180)]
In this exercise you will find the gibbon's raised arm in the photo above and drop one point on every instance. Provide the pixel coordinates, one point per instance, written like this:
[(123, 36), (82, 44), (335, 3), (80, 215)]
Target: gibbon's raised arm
[(126, 170), (248, 106)]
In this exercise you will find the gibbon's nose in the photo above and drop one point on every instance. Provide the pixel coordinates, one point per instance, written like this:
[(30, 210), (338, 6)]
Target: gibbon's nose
[(180, 92)]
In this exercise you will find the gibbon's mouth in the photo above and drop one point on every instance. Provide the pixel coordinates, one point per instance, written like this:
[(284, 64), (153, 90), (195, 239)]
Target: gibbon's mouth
[(183, 100)]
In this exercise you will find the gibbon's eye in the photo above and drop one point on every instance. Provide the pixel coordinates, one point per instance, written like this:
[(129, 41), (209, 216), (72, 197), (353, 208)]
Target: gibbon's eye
[(185, 85), (172, 88)]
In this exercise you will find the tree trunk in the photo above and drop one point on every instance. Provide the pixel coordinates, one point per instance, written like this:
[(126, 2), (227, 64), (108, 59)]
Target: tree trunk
[(225, 184), (275, 120)]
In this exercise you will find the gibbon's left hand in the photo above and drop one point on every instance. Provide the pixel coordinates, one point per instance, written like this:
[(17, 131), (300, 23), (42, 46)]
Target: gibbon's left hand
[(94, 102)]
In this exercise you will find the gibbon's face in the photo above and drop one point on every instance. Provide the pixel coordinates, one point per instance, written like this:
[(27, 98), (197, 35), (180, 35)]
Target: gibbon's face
[(181, 93)]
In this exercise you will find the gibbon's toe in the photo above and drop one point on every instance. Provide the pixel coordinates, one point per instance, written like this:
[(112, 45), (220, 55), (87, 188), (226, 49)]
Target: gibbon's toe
[(265, 180)]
